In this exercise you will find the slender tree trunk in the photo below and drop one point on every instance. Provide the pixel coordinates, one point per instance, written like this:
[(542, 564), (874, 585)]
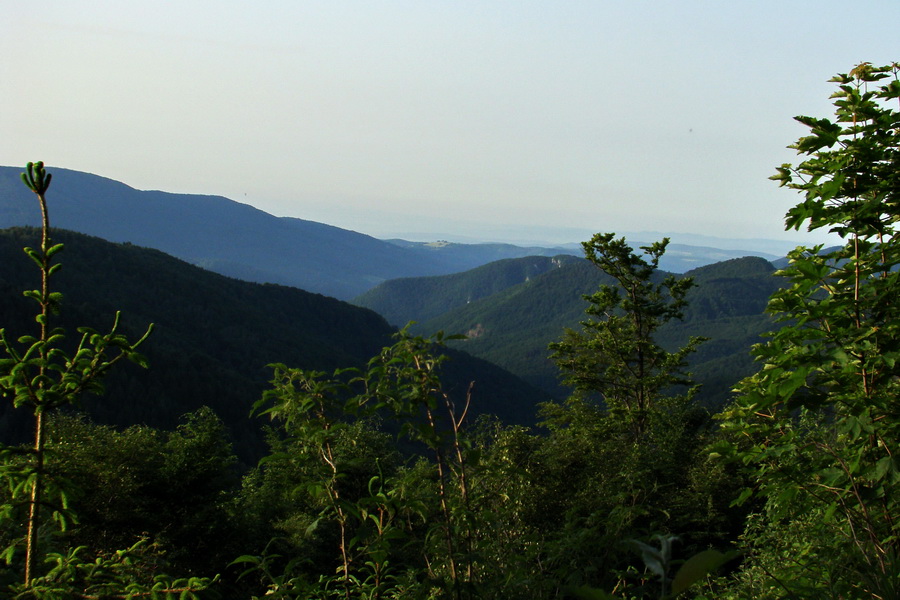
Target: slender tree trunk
[(37, 486), (36, 493)]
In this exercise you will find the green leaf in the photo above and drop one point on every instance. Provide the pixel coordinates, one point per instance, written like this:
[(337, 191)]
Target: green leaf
[(744, 495), (698, 567), (885, 466), (796, 380), (246, 558)]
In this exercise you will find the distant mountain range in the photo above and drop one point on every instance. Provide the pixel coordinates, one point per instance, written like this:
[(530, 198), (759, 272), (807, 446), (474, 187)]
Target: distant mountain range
[(679, 258), (241, 241)]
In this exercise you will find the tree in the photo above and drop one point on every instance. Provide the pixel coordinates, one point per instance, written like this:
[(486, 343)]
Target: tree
[(632, 453), (389, 526), (42, 376), (615, 356), (168, 487), (818, 425)]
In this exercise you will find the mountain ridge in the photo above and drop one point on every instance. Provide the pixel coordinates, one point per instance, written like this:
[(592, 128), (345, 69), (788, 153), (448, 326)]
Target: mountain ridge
[(239, 240)]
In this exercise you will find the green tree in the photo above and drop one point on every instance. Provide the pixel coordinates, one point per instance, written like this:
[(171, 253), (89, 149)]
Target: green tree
[(414, 531), (626, 436), (615, 356), (170, 487), (818, 425), (41, 375)]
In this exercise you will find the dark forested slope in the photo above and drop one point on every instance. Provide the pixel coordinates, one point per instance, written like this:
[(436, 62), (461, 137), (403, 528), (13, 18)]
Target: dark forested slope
[(214, 335)]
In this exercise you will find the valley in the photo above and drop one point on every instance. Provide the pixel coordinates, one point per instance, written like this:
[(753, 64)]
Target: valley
[(514, 300)]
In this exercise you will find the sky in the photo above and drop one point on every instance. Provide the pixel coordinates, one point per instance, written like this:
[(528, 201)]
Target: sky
[(485, 120)]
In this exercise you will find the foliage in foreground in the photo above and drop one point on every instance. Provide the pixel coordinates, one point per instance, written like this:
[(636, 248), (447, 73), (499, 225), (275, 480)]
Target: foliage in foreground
[(817, 428), (619, 497), (488, 510)]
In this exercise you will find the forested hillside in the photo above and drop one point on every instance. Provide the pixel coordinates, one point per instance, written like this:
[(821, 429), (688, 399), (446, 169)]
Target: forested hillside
[(726, 306), (511, 310), (422, 298)]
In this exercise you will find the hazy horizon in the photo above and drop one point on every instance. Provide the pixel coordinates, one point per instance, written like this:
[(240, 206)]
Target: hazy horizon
[(455, 119), (567, 238)]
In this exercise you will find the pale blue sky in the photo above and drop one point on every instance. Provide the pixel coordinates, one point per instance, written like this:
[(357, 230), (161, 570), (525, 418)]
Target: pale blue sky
[(480, 118)]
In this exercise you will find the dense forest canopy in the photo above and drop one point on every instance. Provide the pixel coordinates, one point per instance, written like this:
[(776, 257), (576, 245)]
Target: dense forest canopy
[(379, 482)]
